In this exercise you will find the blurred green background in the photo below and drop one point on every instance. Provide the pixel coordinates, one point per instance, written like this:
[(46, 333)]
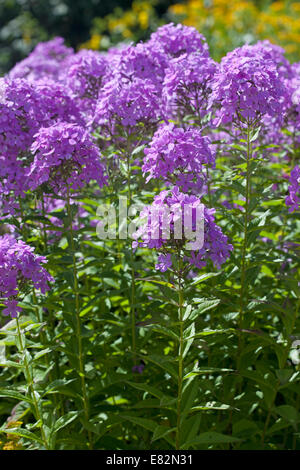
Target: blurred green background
[(24, 23)]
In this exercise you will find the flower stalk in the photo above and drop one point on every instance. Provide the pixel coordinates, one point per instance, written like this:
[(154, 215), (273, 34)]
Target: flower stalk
[(180, 353), (30, 384), (78, 320)]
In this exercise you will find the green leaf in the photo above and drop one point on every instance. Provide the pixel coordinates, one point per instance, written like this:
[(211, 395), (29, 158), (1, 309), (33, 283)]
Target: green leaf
[(211, 438), (203, 277), (188, 338), (143, 422), (63, 421), (163, 362), (207, 370), (203, 306), (211, 406), (161, 431), (147, 388), (14, 394), (23, 433), (289, 413)]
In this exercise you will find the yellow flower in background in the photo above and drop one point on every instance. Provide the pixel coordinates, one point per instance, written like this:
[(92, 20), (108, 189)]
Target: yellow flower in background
[(143, 19), (230, 24), (225, 24), (12, 441), (93, 43)]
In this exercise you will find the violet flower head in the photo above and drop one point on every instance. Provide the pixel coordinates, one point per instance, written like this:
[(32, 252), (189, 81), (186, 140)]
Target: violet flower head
[(293, 199), (165, 230), (25, 107), (296, 69), (11, 309), (187, 84), (143, 62), (20, 268), (133, 105), (246, 88), (87, 71), (46, 60), (164, 262), (65, 154), (178, 156), (175, 40), (268, 51)]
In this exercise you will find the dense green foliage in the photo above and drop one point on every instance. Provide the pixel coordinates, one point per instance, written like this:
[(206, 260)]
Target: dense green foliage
[(25, 23), (240, 389)]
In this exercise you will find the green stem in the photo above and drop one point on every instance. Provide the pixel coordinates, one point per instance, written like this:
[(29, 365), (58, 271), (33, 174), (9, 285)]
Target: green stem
[(180, 355), (244, 290), (267, 422), (132, 295), (78, 322), (23, 227), (30, 384), (44, 227)]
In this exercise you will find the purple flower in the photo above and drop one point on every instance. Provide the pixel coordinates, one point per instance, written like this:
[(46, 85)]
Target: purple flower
[(139, 368), (178, 156), (247, 88), (46, 60), (132, 105), (65, 154), (293, 199), (25, 107), (175, 40), (87, 71), (268, 51), (20, 268), (164, 262), (141, 61), (187, 84), (11, 309), (165, 230)]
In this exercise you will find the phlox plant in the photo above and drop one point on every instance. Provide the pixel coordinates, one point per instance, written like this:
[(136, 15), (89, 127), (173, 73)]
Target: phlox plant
[(181, 334)]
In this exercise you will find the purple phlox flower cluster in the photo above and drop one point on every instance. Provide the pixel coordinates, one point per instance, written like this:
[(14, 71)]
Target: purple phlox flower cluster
[(269, 51), (179, 156), (114, 54), (87, 72), (16, 116), (187, 83), (25, 107), (175, 40), (164, 262), (46, 60), (65, 154), (272, 126), (143, 62), (296, 69), (168, 210), (246, 88), (20, 268), (15, 137), (56, 104), (128, 104), (293, 199), (292, 111)]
